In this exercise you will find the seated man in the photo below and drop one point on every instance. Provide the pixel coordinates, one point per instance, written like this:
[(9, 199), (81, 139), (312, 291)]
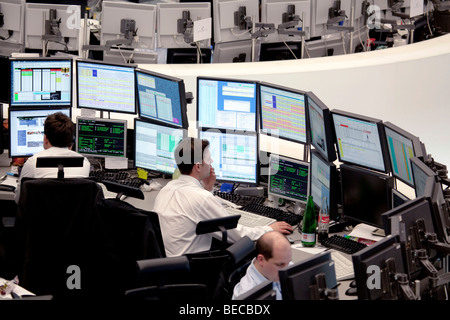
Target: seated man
[(58, 136), (184, 202), (273, 252)]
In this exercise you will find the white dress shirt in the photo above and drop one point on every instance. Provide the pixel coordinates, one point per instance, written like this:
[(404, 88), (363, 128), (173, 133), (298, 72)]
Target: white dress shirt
[(29, 169), (180, 205), (251, 279)]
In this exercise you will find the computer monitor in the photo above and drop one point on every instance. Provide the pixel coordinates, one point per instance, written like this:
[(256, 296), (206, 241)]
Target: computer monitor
[(235, 156), (321, 127), (424, 178), (55, 25), (283, 112), (13, 29), (288, 178), (366, 195), (2, 146), (155, 144), (41, 82), (299, 280), (402, 146), (360, 140), (274, 51), (226, 104), (106, 86), (233, 51), (288, 17), (26, 130), (319, 23), (262, 291), (233, 19), (188, 55), (386, 256), (5, 71), (98, 137), (324, 183), (398, 198), (175, 24), (161, 98), (128, 25)]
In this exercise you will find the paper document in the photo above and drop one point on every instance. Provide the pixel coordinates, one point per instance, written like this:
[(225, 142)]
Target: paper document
[(364, 231)]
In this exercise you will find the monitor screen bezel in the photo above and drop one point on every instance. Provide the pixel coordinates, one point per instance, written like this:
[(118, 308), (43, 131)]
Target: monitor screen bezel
[(431, 176), (6, 62), (104, 63), (93, 155), (42, 105), (181, 92), (207, 78), (299, 162), (381, 138), (290, 90), (331, 154), (10, 110)]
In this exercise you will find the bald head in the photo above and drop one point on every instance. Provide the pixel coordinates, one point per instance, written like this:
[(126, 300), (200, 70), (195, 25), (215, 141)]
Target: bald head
[(270, 242)]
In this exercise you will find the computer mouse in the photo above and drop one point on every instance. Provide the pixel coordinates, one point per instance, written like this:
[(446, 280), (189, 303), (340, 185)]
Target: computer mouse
[(351, 292), (353, 284)]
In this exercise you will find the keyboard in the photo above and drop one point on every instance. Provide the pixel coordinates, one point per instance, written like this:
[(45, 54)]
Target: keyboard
[(342, 266), (118, 176), (274, 213), (239, 199), (343, 244), (249, 219)]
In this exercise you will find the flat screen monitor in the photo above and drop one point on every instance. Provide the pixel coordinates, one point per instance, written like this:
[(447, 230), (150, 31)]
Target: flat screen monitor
[(360, 140), (98, 137), (402, 147), (2, 144), (26, 130), (286, 16), (424, 178), (366, 194), (230, 19), (274, 51), (288, 178), (235, 156), (55, 25), (154, 146), (320, 127), (161, 98), (106, 86), (398, 198), (175, 24), (323, 183), (5, 71), (296, 279), (226, 104), (263, 291), (45, 82), (13, 28), (188, 55), (128, 25), (384, 255), (283, 112), (233, 51)]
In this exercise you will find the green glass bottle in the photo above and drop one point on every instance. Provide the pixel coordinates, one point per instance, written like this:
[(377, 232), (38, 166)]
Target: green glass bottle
[(309, 224)]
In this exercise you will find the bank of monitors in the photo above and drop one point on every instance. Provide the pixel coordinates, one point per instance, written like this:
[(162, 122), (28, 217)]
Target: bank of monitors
[(288, 178), (283, 112), (299, 281), (320, 127), (128, 25), (366, 194), (98, 137), (402, 147), (385, 255), (105, 86), (26, 130), (235, 156), (360, 140), (154, 146), (226, 104), (41, 82), (161, 98), (324, 183)]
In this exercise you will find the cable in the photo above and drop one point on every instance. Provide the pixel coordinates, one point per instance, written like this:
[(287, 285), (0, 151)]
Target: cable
[(238, 35), (10, 33)]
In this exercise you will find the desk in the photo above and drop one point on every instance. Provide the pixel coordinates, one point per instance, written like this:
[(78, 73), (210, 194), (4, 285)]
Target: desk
[(5, 195)]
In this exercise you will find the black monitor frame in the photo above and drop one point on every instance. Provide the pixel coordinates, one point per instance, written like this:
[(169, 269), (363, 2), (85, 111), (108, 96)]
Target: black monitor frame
[(188, 55), (207, 78), (262, 130), (328, 140), (275, 51), (181, 95), (419, 167), (103, 63), (381, 138), (48, 103), (5, 71)]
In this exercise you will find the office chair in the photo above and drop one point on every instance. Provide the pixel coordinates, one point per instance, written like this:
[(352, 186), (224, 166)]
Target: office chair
[(166, 279)]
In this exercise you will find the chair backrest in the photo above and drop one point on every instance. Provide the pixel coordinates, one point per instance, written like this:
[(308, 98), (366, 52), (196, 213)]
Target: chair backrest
[(170, 292)]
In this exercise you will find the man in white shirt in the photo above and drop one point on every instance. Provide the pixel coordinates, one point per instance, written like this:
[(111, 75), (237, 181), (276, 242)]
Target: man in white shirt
[(273, 253), (184, 202), (58, 136)]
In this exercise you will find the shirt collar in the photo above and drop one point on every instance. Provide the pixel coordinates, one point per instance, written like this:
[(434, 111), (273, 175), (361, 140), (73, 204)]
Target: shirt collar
[(189, 179)]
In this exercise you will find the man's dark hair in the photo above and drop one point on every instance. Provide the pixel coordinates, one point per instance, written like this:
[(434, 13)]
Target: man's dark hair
[(59, 130), (188, 152)]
